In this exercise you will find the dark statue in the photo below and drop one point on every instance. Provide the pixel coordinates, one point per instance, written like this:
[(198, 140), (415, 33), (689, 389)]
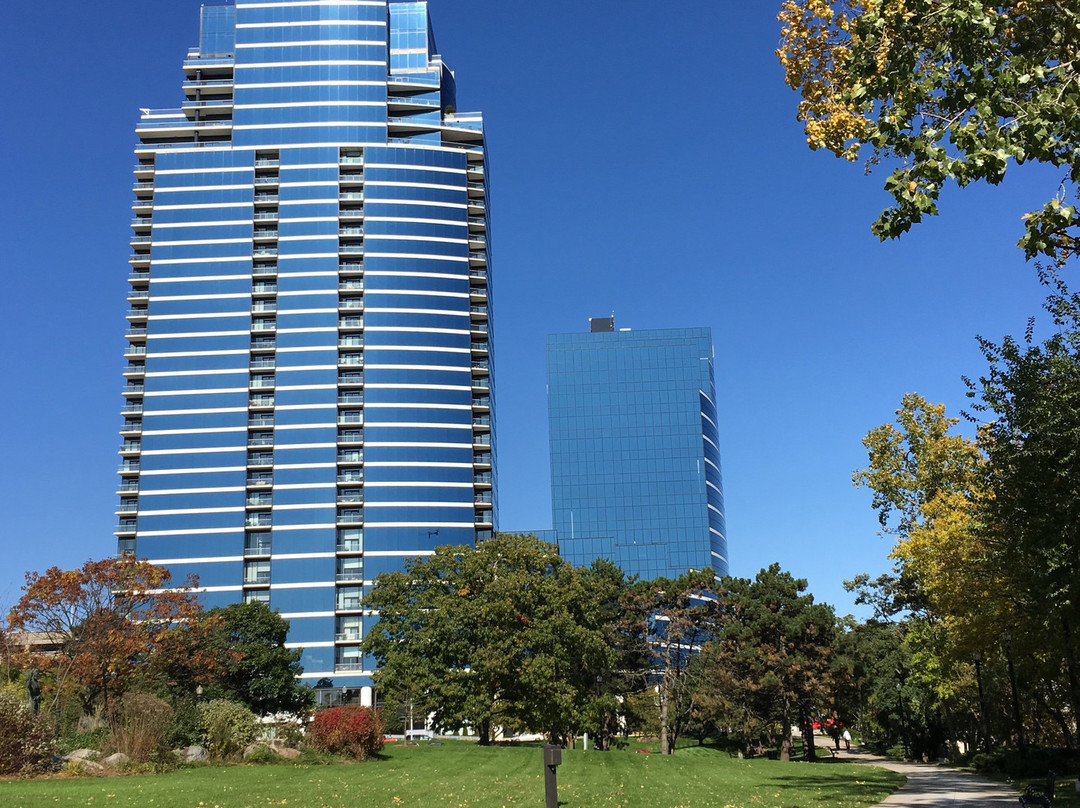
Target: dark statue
[(33, 689)]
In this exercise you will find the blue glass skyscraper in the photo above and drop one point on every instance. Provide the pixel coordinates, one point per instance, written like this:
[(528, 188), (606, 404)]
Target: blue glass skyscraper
[(635, 460), (308, 396)]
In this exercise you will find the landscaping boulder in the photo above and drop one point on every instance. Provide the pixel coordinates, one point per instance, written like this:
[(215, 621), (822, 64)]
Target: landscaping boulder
[(116, 760), (80, 755), (192, 754)]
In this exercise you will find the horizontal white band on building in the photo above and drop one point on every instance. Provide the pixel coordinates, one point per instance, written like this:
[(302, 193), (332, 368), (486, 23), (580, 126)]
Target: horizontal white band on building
[(300, 43)]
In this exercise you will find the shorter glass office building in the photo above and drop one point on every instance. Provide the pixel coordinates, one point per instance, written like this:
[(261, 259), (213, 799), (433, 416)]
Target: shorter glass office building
[(635, 460)]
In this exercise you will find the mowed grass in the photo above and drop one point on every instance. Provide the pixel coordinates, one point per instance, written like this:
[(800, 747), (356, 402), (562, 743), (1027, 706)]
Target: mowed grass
[(463, 775)]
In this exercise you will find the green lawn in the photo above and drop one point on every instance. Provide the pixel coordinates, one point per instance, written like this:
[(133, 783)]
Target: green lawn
[(462, 775)]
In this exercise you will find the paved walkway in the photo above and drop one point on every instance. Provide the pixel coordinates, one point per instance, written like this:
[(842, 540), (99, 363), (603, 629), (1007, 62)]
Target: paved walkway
[(938, 785)]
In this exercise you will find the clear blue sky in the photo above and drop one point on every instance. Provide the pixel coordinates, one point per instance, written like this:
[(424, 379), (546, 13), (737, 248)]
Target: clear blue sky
[(645, 160)]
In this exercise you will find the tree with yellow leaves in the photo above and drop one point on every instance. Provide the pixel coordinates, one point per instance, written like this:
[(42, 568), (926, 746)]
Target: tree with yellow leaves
[(952, 89)]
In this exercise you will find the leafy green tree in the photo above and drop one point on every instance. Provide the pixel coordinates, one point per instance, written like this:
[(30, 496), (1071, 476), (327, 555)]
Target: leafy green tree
[(673, 617), (506, 634), (254, 666), (1032, 393), (771, 657), (953, 90)]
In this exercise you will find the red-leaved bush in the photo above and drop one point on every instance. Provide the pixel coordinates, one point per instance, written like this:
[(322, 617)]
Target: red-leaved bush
[(352, 729)]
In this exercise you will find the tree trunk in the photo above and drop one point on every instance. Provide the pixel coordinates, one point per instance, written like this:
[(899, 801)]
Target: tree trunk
[(664, 710), (1074, 686), (785, 743), (950, 732), (806, 730), (483, 729), (1018, 719)]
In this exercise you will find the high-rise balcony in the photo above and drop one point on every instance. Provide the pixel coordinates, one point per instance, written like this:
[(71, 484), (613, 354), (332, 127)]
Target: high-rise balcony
[(257, 578), (208, 87), (348, 214), (350, 248), (402, 103), (257, 549), (179, 126), (351, 196), (266, 215), (209, 106)]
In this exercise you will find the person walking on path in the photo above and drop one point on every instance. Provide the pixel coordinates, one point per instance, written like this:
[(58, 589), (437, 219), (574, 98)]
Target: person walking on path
[(938, 786)]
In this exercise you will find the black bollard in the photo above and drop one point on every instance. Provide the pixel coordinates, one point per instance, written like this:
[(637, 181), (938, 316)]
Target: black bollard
[(552, 758)]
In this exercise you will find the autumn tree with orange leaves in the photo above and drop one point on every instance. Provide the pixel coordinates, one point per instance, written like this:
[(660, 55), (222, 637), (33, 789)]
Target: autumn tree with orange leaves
[(106, 620)]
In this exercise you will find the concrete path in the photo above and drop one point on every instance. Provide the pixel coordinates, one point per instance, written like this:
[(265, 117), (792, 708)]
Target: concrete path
[(938, 785)]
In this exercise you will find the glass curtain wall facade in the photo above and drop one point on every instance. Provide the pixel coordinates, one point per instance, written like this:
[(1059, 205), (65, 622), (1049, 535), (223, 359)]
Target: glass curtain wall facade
[(308, 398), (635, 461)]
